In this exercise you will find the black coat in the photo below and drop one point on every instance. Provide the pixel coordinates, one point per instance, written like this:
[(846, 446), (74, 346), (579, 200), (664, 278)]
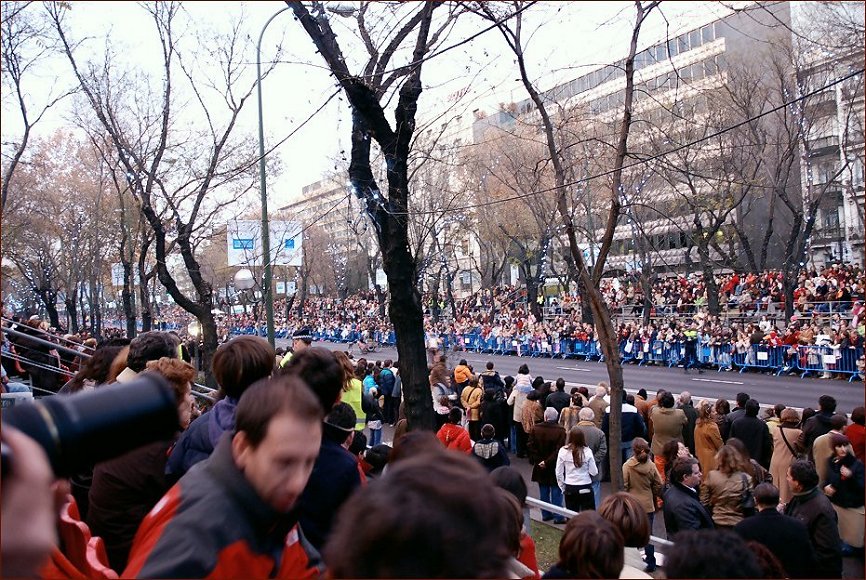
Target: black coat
[(755, 435), (559, 400), (689, 429), (545, 441), (786, 537), (849, 490), (815, 511), (684, 511)]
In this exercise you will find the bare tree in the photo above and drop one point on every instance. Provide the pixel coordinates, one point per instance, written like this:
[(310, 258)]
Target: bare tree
[(173, 170), (367, 92), (27, 44), (512, 33)]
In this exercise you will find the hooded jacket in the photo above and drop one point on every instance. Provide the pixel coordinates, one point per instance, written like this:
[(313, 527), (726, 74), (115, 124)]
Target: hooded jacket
[(200, 439)]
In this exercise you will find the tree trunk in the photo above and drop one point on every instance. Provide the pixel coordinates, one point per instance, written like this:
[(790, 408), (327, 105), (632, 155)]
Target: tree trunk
[(128, 300), (49, 299), (709, 278), (72, 314)]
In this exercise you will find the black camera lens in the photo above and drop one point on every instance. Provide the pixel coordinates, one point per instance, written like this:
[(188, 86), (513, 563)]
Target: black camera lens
[(80, 430)]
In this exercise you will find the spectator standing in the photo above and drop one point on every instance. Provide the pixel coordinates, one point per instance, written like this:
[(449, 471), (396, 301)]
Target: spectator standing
[(533, 412), (814, 510), (597, 443), (817, 425), (786, 537), (558, 399), (682, 507), (754, 434), (822, 448), (575, 468), (491, 380), (598, 404), (668, 424), (785, 451), (517, 398), (708, 440), (452, 435), (231, 517), (736, 412), (856, 432), (387, 385), (236, 365), (632, 425), (591, 547), (641, 480), (470, 397), (353, 391), (462, 374), (845, 489), (723, 489), (685, 405), (489, 451), (545, 441), (335, 476)]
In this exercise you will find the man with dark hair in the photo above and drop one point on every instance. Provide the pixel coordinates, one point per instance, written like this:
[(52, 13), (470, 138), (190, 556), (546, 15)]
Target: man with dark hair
[(387, 382), (146, 347), (711, 554), (786, 537), (491, 380), (558, 399), (682, 507), (818, 424), (236, 365), (234, 515), (320, 369), (489, 451), (335, 476), (815, 511), (735, 413), (754, 434)]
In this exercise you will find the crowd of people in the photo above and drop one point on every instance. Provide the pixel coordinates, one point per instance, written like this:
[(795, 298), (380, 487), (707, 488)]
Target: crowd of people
[(291, 453)]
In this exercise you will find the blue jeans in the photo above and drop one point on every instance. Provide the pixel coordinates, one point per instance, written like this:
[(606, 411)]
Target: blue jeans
[(375, 437), (550, 494), (627, 451), (596, 491), (512, 439)]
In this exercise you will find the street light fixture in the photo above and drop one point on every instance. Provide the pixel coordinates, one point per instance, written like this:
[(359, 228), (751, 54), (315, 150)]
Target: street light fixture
[(340, 9)]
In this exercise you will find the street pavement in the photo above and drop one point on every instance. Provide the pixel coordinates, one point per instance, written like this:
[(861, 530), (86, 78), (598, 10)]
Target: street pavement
[(769, 390)]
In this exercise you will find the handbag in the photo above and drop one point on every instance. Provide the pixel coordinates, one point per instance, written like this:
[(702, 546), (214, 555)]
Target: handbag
[(788, 445), (747, 499)]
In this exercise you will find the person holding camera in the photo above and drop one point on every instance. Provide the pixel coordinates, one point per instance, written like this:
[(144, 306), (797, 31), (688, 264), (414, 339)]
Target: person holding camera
[(236, 514)]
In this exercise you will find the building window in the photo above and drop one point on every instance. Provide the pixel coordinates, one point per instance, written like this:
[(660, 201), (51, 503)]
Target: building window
[(707, 34)]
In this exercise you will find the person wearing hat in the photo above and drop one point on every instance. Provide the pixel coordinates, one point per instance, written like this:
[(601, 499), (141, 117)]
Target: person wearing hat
[(301, 339), (845, 490)]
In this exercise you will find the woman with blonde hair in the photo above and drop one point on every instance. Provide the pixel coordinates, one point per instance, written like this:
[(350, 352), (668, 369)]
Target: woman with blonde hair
[(708, 439), (723, 489)]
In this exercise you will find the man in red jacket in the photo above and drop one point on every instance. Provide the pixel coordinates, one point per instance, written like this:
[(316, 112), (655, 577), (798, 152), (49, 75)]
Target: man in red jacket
[(234, 515)]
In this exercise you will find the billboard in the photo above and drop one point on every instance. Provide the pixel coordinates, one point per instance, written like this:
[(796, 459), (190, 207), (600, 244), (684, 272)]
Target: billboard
[(245, 243)]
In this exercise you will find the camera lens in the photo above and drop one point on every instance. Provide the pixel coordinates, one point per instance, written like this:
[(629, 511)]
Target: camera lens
[(80, 430)]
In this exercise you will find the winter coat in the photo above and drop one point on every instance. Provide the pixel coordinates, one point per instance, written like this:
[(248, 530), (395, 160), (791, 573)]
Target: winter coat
[(857, 435), (689, 430), (755, 435), (598, 406), (532, 414), (214, 524), (815, 426), (683, 511), (642, 480), (439, 374), (596, 442), (462, 374), (455, 437), (849, 490), (816, 512), (708, 441), (722, 495), (786, 537), (783, 458), (471, 400), (668, 425), (490, 453), (522, 387), (492, 380), (201, 437), (631, 421), (559, 400), (387, 382), (544, 442)]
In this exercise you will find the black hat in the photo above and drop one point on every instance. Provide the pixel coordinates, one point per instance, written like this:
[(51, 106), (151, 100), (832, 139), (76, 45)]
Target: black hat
[(304, 334)]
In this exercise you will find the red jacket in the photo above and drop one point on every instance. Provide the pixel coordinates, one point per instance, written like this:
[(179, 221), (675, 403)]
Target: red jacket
[(455, 437), (857, 435), (213, 524)]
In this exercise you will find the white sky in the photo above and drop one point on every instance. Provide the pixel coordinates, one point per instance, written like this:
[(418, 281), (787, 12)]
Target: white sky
[(568, 38)]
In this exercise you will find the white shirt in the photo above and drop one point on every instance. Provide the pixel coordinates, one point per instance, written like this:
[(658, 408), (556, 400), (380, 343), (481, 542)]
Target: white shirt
[(567, 473)]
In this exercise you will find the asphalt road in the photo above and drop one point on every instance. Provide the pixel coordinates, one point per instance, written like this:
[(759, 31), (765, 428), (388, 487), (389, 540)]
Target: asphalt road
[(791, 391)]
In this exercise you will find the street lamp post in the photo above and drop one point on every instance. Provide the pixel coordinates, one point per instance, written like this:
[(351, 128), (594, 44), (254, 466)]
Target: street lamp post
[(267, 294), (341, 9)]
